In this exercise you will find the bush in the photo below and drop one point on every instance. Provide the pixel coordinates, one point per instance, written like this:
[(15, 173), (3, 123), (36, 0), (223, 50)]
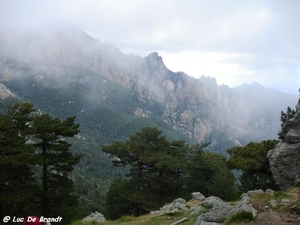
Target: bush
[(239, 217)]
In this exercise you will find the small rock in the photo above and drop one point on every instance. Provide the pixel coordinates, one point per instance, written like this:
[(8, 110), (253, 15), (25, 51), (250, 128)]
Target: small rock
[(285, 201), (255, 192), (273, 203), (270, 192)]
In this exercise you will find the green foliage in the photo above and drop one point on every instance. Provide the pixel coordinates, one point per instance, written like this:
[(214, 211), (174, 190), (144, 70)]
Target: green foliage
[(118, 199), (104, 111), (156, 167), (239, 217), (36, 163), (253, 162), (208, 173), (296, 208), (56, 162), (162, 170), (280, 194), (16, 159)]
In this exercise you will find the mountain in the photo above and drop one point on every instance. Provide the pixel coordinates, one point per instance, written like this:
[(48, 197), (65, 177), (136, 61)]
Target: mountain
[(66, 72), (198, 108)]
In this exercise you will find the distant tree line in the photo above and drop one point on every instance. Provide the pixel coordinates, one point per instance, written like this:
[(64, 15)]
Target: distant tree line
[(35, 163)]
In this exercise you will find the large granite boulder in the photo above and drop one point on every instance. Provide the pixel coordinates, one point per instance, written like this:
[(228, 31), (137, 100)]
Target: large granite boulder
[(284, 159), (221, 210)]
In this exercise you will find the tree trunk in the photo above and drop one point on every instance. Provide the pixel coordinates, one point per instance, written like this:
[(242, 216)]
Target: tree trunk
[(138, 189), (45, 200)]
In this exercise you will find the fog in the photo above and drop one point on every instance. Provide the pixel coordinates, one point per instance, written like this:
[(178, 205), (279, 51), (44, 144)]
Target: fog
[(235, 41)]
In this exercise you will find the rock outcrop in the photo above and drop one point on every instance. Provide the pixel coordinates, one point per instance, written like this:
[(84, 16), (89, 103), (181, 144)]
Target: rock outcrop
[(218, 210), (176, 206), (5, 93), (284, 159)]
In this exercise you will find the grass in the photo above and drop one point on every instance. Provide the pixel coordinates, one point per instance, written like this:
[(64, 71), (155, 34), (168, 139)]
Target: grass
[(147, 220), (239, 217)]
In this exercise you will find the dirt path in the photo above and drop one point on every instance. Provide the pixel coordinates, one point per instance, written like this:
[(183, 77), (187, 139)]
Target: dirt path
[(268, 217)]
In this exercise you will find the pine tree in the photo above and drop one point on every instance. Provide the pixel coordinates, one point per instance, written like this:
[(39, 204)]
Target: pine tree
[(17, 189), (207, 172), (156, 167), (56, 160), (252, 160)]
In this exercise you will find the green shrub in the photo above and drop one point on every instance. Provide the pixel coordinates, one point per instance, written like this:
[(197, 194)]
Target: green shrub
[(296, 208), (280, 194), (239, 217)]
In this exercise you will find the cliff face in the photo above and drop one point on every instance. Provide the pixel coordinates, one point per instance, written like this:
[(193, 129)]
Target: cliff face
[(6, 93), (284, 159), (196, 107)]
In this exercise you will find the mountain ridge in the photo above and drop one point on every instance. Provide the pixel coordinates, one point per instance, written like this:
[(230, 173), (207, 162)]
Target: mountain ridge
[(198, 108)]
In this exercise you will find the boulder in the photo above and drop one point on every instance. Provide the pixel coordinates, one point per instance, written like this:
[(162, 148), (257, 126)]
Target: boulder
[(270, 192), (243, 207), (218, 213), (245, 198), (284, 162), (221, 210), (197, 196), (284, 158), (176, 206), (212, 201), (96, 216)]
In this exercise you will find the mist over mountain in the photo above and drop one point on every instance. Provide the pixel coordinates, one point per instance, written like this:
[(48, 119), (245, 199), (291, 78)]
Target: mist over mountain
[(64, 71)]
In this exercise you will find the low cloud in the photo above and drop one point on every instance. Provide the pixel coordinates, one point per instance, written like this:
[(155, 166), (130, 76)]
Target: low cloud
[(234, 41)]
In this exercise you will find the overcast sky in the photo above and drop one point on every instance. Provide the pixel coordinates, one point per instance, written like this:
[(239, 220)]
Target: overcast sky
[(234, 41)]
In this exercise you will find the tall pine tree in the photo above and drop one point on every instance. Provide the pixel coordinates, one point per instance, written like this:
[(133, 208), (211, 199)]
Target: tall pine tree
[(56, 161), (17, 189), (156, 168)]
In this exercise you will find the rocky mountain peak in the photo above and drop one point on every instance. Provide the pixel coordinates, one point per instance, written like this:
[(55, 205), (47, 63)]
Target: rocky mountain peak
[(155, 62)]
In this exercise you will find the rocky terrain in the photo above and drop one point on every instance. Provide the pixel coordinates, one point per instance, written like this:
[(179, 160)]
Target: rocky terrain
[(265, 207)]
